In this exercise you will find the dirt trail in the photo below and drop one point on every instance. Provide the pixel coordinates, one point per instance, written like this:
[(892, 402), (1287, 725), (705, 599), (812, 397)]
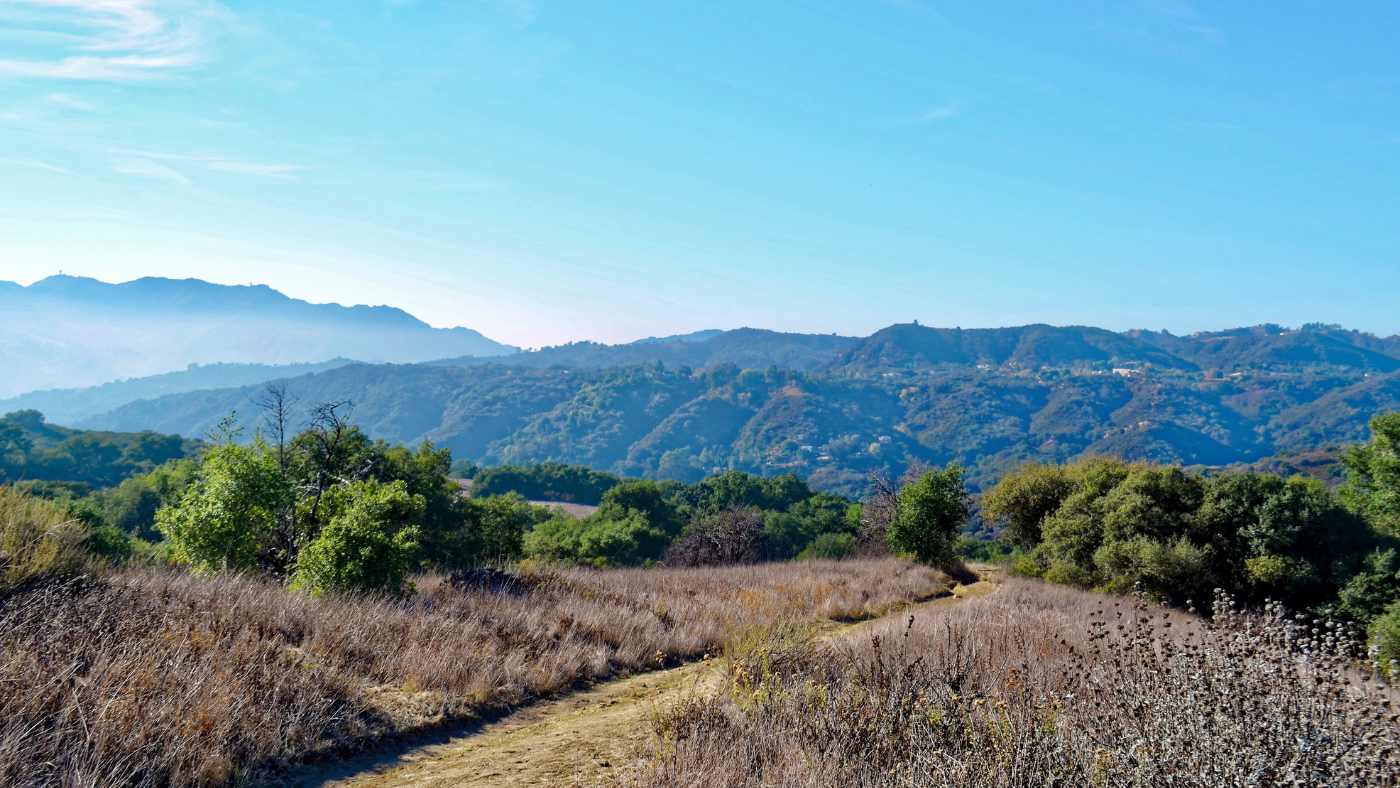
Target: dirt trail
[(585, 738)]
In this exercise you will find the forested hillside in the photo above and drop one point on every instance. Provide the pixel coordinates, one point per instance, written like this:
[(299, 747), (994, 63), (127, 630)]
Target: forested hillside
[(988, 399), (34, 450)]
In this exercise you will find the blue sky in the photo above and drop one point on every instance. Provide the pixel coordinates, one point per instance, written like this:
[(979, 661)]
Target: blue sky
[(546, 171)]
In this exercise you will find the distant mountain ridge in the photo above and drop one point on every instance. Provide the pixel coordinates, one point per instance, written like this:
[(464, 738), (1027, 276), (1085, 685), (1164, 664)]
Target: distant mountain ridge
[(987, 399), (831, 408), (754, 348), (1036, 346), (66, 331)]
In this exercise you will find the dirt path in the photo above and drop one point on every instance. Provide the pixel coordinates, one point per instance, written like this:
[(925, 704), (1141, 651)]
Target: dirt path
[(585, 738)]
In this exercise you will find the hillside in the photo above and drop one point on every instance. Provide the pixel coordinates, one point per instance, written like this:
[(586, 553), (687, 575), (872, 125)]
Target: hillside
[(833, 427), (70, 406), (33, 450), (65, 331)]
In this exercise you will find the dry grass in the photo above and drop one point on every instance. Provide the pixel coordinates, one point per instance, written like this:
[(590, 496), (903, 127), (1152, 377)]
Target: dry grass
[(1044, 685), (36, 537), (151, 678)]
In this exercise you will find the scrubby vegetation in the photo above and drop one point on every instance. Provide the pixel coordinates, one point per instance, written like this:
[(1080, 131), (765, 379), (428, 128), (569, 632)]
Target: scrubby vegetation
[(549, 481), (212, 618), (1111, 525), (154, 677), (1037, 685), (37, 539), (33, 450)]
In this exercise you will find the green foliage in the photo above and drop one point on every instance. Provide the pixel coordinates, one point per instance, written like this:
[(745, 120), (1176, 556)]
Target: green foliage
[(596, 541), (638, 519), (1170, 570), (368, 544), (1026, 565), (984, 550), (1384, 634), (1178, 535), (1373, 474), (930, 512), (1022, 500), (495, 529), (829, 546), (110, 543), (549, 481), (643, 498), (1373, 588), (131, 506), (37, 537), (32, 449), (225, 518)]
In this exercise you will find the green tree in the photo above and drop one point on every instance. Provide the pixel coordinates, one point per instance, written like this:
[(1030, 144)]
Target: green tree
[(645, 498), (370, 542), (1370, 591), (223, 519), (1373, 474), (496, 527), (1022, 500), (929, 514)]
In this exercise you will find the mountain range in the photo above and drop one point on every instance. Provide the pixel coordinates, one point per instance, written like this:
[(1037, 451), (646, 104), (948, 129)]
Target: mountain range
[(834, 409), (67, 331)]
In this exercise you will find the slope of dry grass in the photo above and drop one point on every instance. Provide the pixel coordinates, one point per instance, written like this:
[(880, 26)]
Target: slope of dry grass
[(151, 678), (1042, 685)]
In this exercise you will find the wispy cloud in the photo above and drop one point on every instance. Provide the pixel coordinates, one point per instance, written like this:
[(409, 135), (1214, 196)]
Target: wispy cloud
[(36, 164), (216, 162), (110, 40), (146, 168)]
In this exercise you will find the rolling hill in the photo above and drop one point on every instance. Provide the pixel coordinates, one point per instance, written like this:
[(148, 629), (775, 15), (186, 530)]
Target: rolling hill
[(832, 427)]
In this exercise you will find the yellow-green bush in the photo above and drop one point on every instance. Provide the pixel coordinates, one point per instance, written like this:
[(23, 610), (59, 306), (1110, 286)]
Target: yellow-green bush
[(36, 537)]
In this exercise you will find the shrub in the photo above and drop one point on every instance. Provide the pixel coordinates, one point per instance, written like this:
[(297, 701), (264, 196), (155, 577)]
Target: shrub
[(596, 540), (929, 513), (1026, 565), (1167, 571), (223, 519), (1066, 573), (731, 536), (1022, 500), (369, 543), (829, 546), (1384, 635), (37, 537), (1372, 589), (109, 542)]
